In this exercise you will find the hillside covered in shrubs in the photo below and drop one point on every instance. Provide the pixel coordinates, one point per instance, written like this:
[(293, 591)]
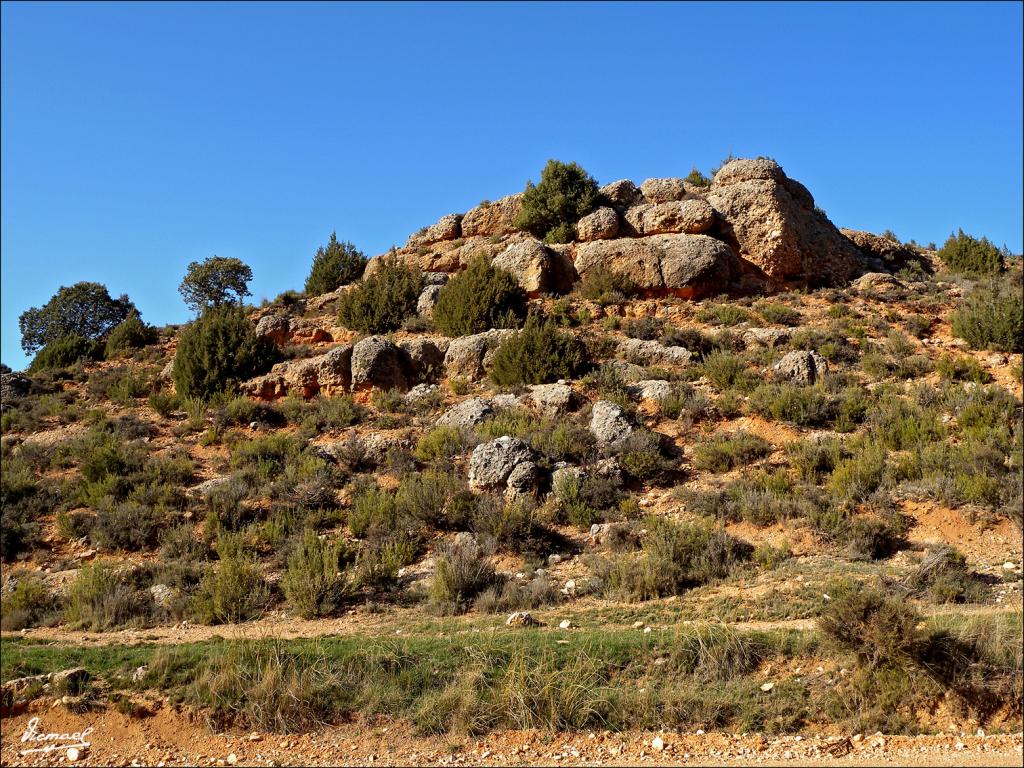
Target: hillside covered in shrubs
[(582, 411)]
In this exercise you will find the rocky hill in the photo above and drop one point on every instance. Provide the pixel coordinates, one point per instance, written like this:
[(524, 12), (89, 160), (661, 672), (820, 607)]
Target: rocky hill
[(715, 465)]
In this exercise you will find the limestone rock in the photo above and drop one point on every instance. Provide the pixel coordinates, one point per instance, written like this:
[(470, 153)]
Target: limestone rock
[(465, 355), (802, 367), (551, 399), (468, 413), (497, 218), (274, 327), (663, 190), (876, 281), (428, 300), (447, 228), (307, 331), (165, 596), (435, 278), (534, 267), (622, 193), (425, 356), (688, 216), (521, 619), (772, 221), (491, 463), (646, 352), (609, 424), (689, 266), (419, 392), (651, 389), (765, 337), (888, 253), (323, 301), (602, 224), (377, 362), (523, 479)]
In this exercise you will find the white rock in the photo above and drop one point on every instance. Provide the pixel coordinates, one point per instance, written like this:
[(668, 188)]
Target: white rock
[(657, 744), (767, 687), (73, 754), (565, 624)]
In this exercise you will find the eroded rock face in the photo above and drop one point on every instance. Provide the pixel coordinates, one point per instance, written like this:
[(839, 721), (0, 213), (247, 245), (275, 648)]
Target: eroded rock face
[(535, 267), (693, 217), (428, 300), (274, 327), (649, 352), (465, 355), (801, 367), (889, 254), (491, 463), (622, 193), (663, 190), (327, 374), (602, 224), (447, 228), (466, 414), (609, 424), (377, 362), (425, 356), (551, 399), (690, 266), (497, 218), (772, 220)]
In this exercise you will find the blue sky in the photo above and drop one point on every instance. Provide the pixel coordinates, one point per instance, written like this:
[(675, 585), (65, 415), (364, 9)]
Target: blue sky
[(137, 138)]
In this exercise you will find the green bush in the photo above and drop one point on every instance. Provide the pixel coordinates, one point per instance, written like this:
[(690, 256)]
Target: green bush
[(335, 265), (440, 443), (602, 285), (127, 526), (726, 370), (721, 452), (992, 316), (565, 194), (85, 310), (462, 572), (100, 599), (801, 405), (234, 590), (316, 582), (966, 255), (865, 621), (478, 299), (27, 604), (383, 300), (697, 178), (164, 403), (130, 334), (63, 352), (218, 351), (538, 354)]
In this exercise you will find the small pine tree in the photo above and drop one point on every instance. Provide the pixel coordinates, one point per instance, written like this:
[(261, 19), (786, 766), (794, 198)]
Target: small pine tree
[(478, 299), (565, 194), (218, 351), (131, 334), (383, 300), (538, 354), (335, 265), (697, 178)]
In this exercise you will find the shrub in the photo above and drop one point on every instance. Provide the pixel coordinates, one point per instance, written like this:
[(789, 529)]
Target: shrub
[(538, 354), (945, 577), (99, 599), (697, 178), (684, 403), (804, 406), (373, 511), (877, 628), (778, 314), (127, 526), (64, 352), (85, 310), (462, 572), (966, 255), (992, 316), (724, 452), (564, 195), (962, 368), (723, 314), (232, 591), (119, 385), (381, 301), (217, 351), (335, 265), (478, 299), (640, 455), (130, 334), (648, 328), (25, 604), (214, 282), (602, 285), (436, 499), (725, 370), (584, 501), (440, 443), (499, 524), (316, 583)]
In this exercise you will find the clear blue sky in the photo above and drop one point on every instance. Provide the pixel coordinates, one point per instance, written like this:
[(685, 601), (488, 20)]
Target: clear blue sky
[(137, 138)]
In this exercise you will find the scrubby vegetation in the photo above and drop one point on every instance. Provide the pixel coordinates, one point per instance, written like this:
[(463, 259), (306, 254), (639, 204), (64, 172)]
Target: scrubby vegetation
[(538, 354), (383, 300), (478, 299), (334, 265), (552, 207), (966, 255)]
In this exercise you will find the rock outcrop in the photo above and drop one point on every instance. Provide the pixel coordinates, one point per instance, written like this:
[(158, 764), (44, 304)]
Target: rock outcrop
[(536, 268), (801, 367), (609, 424), (466, 356), (497, 218), (378, 362), (888, 254), (491, 463), (602, 224)]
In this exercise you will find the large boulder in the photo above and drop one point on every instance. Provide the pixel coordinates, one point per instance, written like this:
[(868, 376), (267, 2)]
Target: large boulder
[(693, 217), (425, 356), (377, 362), (801, 367), (772, 221), (645, 352), (276, 328), (327, 374), (497, 218), (602, 224), (651, 389), (663, 190), (622, 193), (428, 300), (551, 399), (468, 413), (491, 463), (466, 355), (689, 266), (535, 267), (609, 424), (447, 228)]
